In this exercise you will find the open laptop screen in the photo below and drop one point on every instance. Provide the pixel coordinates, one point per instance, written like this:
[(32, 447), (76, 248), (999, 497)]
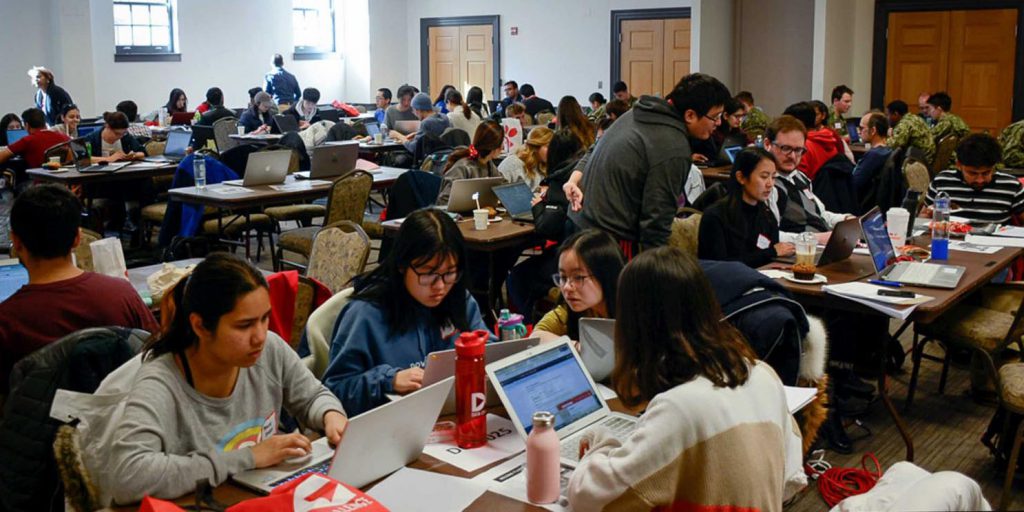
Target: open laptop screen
[(516, 197), (551, 381), (372, 128), (12, 277), (177, 142), (732, 151), (877, 237), (14, 135), (852, 127)]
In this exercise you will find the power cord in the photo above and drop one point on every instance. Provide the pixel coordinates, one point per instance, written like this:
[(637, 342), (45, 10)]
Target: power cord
[(836, 484)]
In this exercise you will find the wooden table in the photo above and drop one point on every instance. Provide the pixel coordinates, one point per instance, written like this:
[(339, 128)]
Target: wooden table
[(981, 269), (70, 176), (715, 174)]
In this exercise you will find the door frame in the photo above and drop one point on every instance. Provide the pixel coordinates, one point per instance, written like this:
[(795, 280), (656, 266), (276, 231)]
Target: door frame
[(880, 44), (455, 21), (618, 17)]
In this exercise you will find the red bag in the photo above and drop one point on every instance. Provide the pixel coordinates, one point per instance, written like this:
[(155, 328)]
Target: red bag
[(311, 493), (150, 504)]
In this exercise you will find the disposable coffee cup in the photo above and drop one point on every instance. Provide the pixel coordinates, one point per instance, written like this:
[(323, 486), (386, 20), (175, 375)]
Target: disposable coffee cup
[(241, 130), (378, 138), (897, 221), (480, 219)]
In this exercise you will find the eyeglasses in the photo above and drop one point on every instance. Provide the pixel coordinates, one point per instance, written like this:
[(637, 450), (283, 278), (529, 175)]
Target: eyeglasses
[(784, 149), (431, 278), (715, 118), (576, 281)]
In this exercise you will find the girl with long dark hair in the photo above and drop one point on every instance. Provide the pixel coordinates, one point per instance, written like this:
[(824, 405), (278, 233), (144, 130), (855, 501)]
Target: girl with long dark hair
[(476, 161)]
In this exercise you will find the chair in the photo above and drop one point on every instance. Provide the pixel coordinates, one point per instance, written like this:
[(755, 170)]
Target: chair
[(319, 330), (304, 296), (223, 129), (239, 226), (684, 232), (346, 200), (83, 253), (455, 137), (943, 154), (1011, 398), (545, 117), (237, 157), (987, 323), (917, 177), (155, 147), (339, 253)]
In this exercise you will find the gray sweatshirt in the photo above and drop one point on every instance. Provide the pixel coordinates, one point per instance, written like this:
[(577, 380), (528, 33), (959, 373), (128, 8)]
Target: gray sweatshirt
[(171, 436)]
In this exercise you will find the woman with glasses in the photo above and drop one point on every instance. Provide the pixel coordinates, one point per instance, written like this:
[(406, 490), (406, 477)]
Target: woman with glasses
[(413, 304), (589, 263)]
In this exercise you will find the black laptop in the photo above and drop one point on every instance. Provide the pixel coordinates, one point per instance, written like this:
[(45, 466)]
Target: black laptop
[(286, 123)]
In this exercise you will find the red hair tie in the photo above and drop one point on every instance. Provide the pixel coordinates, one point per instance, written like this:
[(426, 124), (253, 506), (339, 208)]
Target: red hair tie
[(473, 153)]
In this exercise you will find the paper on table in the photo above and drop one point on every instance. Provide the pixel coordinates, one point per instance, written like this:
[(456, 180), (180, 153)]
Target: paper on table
[(509, 479), (1000, 241), (867, 294), (229, 190), (798, 398), (957, 245), (503, 442), (774, 273), (1011, 231), (426, 491)]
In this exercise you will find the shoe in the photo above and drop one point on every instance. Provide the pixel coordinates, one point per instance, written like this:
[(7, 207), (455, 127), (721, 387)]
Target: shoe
[(834, 435), (848, 383), (849, 405)]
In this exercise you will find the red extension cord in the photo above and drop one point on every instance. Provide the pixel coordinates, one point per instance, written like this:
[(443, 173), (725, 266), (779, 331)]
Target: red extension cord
[(837, 484)]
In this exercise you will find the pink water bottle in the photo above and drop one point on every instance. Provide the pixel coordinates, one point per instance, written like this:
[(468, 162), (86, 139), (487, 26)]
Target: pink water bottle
[(543, 460), (470, 390)]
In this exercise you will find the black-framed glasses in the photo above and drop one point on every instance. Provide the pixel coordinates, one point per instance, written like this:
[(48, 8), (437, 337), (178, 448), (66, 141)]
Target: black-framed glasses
[(576, 280), (786, 149), (431, 278), (715, 118)]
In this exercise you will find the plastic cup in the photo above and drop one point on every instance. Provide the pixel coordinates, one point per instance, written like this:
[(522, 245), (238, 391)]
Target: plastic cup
[(55, 160), (480, 219), (378, 138), (241, 130), (897, 220)]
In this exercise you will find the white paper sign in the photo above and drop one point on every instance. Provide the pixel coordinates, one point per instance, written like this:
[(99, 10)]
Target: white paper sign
[(513, 134), (502, 442)]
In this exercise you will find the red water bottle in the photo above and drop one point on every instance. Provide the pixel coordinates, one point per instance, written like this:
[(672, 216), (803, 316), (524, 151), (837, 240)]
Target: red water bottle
[(470, 393)]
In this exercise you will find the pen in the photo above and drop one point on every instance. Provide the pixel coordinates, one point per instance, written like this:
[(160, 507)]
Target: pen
[(882, 282)]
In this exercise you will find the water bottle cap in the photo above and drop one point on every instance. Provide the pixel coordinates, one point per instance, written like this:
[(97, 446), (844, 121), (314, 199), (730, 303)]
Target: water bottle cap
[(471, 344), (543, 419)]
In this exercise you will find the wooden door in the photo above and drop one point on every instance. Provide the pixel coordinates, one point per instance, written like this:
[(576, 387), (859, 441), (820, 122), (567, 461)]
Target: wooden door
[(476, 60), (443, 44), (981, 67), (643, 50), (917, 54), (677, 52)]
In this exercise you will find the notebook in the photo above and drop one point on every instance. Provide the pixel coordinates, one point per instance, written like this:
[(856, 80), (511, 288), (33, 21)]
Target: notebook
[(551, 377)]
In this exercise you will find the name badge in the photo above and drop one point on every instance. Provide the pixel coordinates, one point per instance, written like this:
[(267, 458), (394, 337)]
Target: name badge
[(763, 242)]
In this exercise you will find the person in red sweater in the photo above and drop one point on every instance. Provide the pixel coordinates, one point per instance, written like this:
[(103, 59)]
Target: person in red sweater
[(822, 144), (33, 146), (59, 298)]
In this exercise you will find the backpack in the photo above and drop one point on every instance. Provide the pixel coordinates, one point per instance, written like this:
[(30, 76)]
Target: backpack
[(552, 212)]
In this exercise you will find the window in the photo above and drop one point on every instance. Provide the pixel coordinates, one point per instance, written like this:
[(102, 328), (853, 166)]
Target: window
[(144, 27), (313, 27)]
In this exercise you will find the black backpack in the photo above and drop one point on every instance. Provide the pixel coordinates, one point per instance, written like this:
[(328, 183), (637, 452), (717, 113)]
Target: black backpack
[(551, 214)]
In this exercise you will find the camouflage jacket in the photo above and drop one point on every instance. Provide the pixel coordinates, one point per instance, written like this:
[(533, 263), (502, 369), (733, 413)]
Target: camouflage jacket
[(950, 124), (755, 123), (836, 122), (912, 132), (1012, 140)]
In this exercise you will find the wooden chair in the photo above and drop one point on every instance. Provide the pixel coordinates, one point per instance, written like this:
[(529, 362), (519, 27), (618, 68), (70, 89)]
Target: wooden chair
[(345, 201), (339, 253), (303, 308), (83, 253), (320, 328), (1011, 398), (986, 323), (943, 154)]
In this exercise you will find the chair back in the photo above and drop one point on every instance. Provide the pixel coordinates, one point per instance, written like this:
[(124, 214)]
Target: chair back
[(684, 234), (339, 253), (917, 177), (545, 117), (943, 153), (455, 137), (348, 197), (304, 296), (223, 128), (238, 157), (155, 147), (83, 253), (320, 329)]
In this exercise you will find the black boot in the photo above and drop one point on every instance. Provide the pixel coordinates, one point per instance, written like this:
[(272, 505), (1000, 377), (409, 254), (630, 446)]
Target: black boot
[(835, 436)]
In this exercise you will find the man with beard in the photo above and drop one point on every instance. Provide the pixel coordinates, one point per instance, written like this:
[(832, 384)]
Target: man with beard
[(981, 193)]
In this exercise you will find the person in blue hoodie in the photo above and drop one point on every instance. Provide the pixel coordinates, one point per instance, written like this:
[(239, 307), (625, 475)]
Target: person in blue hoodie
[(413, 304)]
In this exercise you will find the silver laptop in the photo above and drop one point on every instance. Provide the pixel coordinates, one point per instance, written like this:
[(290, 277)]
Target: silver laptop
[(517, 198), (840, 246), (597, 346), (374, 444), (265, 168), (286, 123), (551, 377), (441, 364), (331, 160), (883, 257), (175, 150), (406, 127), (460, 199)]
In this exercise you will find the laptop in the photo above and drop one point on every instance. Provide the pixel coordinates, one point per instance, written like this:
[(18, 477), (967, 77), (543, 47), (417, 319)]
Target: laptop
[(264, 168), (182, 118), (406, 127), (83, 160), (517, 198), (375, 444), (731, 152), (13, 276), (176, 148), (15, 135), (840, 246), (441, 364), (330, 114), (883, 257), (286, 123), (460, 199), (330, 161), (86, 129), (597, 346), (853, 128), (551, 377)]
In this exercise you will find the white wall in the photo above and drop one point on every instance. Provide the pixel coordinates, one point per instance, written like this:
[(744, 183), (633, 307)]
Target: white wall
[(714, 34), (775, 51), (847, 32), (25, 43), (389, 62)]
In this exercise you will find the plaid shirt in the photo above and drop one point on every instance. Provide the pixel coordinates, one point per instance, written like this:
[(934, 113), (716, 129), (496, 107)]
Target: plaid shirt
[(139, 130)]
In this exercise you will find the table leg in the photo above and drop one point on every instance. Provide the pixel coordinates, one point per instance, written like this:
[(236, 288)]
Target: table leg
[(883, 392)]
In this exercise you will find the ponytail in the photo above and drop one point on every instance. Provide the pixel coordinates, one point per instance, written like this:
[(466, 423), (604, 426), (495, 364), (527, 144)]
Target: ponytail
[(488, 137), (454, 96)]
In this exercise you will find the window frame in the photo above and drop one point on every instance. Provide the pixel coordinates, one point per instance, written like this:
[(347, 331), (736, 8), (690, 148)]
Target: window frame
[(302, 52), (148, 53)]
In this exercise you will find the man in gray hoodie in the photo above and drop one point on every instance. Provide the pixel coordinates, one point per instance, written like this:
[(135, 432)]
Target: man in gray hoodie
[(636, 172)]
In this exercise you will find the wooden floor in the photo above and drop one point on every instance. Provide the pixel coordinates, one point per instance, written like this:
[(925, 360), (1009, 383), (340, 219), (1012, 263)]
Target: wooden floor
[(946, 430)]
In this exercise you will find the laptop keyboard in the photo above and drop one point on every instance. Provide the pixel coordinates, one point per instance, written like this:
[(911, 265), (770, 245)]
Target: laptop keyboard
[(619, 427), (918, 273), (318, 468)]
